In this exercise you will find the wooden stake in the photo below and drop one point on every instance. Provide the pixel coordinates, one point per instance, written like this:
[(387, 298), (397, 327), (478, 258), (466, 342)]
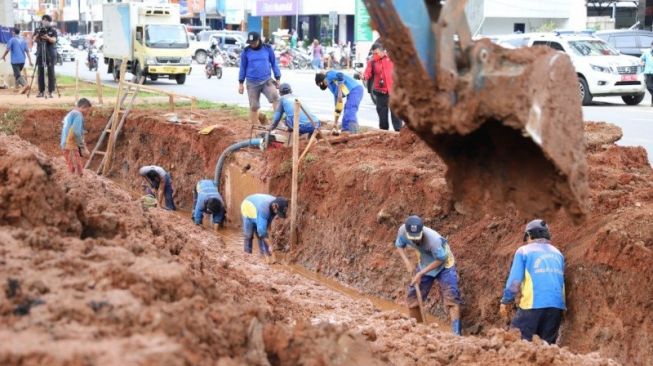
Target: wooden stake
[(171, 101), (114, 120), (76, 79), (98, 83), (295, 176)]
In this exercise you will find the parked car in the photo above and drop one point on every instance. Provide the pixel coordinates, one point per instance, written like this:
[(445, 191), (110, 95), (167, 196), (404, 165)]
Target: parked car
[(227, 41), (628, 42), (65, 51), (602, 70)]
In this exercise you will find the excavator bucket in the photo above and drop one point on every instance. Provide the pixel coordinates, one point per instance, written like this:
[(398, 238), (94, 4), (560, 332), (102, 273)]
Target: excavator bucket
[(508, 123)]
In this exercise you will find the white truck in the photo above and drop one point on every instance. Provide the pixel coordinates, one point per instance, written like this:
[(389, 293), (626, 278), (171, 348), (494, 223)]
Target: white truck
[(149, 36)]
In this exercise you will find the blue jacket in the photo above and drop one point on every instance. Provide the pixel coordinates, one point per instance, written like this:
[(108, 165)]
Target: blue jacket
[(206, 189), (256, 207), (72, 133), (346, 82), (432, 247), (287, 107), (538, 273), (255, 65)]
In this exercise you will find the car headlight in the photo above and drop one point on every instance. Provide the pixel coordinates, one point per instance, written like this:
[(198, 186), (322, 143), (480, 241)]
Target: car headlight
[(150, 61), (186, 60), (598, 68)]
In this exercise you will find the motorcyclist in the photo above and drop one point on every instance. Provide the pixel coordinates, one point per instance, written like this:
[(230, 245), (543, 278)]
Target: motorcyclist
[(92, 49)]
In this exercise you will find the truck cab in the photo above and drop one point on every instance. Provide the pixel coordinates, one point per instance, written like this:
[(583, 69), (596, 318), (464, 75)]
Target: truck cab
[(150, 37)]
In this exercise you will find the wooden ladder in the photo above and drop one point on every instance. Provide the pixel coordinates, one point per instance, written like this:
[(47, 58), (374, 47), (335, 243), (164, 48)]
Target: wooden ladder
[(114, 126)]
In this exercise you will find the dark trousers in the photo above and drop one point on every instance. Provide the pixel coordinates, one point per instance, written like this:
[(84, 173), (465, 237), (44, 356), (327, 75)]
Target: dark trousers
[(543, 322), (649, 85), (382, 108), (42, 71), (18, 74)]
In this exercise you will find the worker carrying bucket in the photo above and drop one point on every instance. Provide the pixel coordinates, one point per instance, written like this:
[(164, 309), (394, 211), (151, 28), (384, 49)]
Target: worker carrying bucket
[(436, 263)]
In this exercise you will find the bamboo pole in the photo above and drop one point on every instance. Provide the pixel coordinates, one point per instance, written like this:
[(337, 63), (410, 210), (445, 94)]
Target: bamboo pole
[(76, 79), (98, 84), (295, 176), (114, 119)]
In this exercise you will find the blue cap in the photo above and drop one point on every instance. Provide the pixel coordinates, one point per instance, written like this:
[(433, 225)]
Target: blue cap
[(414, 227)]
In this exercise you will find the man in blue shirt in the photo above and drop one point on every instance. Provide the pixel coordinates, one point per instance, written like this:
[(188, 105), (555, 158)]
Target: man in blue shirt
[(18, 48), (72, 137), (256, 64), (436, 262), (343, 86), (287, 107), (258, 211), (207, 200), (537, 273)]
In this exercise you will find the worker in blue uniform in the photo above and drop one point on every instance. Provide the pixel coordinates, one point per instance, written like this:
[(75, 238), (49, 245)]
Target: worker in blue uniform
[(286, 111), (207, 200), (343, 86), (537, 273), (258, 211)]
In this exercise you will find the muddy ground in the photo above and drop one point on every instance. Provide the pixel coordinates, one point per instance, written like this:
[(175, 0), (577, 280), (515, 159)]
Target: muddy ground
[(351, 201)]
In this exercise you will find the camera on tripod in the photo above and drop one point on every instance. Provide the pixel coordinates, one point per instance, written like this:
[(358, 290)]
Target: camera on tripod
[(42, 31)]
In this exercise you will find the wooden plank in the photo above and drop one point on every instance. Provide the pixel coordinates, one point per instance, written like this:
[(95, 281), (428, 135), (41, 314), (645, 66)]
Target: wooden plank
[(295, 176), (114, 119), (98, 84)]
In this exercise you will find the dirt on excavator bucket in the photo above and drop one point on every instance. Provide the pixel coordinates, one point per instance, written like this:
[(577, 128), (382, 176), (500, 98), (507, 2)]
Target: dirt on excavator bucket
[(511, 133)]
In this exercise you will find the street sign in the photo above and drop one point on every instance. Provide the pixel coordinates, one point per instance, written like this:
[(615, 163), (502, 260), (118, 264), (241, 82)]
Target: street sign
[(362, 29), (333, 18)]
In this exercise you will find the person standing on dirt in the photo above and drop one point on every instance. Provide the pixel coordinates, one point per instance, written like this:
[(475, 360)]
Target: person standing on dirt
[(161, 182), (436, 263), (46, 54), (538, 273), (257, 62), (207, 200), (647, 60), (19, 50), (379, 70), (258, 211), (287, 107), (72, 137), (343, 86), (318, 55)]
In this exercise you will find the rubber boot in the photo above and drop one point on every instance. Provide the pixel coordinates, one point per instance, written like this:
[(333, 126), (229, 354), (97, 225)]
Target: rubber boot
[(253, 117), (416, 313), (248, 245), (456, 327)]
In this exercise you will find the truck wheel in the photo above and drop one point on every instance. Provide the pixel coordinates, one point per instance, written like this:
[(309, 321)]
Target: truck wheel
[(154, 77), (633, 99), (138, 74), (200, 57), (584, 90), (181, 79)]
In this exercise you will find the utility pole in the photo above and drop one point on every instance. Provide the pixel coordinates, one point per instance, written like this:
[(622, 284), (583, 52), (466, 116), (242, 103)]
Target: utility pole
[(79, 16)]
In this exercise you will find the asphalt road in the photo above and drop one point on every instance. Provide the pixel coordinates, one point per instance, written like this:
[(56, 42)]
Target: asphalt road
[(636, 121)]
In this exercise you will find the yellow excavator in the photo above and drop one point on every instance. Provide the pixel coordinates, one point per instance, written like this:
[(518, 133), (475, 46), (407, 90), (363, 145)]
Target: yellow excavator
[(508, 123)]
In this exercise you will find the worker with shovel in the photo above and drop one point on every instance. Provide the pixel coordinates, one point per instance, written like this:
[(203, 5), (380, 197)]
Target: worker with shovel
[(436, 263), (207, 200), (160, 181), (342, 86), (258, 211), (538, 273), (307, 124)]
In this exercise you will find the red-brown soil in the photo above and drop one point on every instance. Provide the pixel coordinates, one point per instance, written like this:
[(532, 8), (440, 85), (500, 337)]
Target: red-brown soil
[(92, 278), (352, 200)]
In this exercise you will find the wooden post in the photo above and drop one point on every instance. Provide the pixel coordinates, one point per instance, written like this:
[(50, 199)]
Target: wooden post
[(114, 121), (76, 79), (98, 83), (193, 104), (295, 176), (171, 101)]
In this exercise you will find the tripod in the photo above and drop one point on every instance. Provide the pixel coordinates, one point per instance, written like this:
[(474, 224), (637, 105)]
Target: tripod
[(44, 65)]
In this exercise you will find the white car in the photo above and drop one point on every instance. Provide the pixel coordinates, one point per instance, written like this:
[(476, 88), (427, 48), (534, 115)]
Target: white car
[(602, 71)]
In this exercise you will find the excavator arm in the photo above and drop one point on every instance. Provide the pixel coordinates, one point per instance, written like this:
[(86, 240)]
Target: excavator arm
[(508, 123)]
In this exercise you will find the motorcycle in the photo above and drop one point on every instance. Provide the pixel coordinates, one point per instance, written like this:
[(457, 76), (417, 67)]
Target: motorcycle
[(301, 60), (286, 59), (92, 60), (213, 66)]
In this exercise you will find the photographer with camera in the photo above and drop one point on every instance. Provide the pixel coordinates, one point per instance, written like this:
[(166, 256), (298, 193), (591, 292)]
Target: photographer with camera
[(379, 69), (46, 54)]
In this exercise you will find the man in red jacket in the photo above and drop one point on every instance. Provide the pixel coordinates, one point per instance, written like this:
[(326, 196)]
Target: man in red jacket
[(379, 69)]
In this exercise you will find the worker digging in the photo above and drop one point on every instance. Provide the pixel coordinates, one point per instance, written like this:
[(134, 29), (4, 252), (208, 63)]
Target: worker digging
[(207, 200), (160, 181), (342, 87), (258, 211), (436, 263)]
